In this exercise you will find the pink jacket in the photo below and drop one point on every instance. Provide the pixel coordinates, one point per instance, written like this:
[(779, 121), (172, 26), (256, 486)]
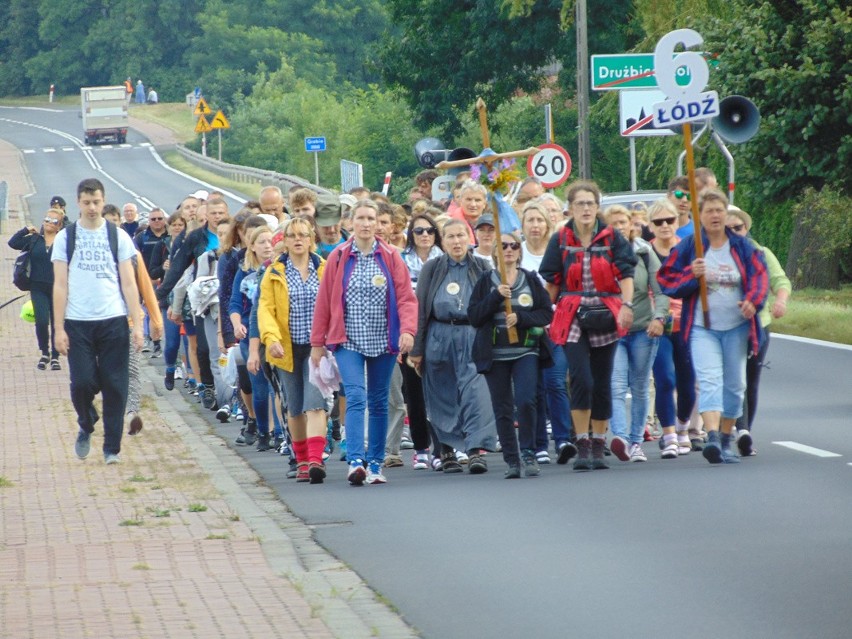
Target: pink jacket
[(328, 326)]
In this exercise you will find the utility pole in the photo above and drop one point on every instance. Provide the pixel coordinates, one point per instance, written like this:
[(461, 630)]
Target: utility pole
[(584, 150)]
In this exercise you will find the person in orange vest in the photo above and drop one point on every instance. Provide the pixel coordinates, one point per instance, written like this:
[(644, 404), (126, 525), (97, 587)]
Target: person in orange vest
[(128, 86)]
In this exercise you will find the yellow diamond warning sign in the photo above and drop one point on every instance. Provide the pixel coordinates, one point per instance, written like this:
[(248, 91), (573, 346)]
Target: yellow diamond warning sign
[(219, 121), (203, 126), (201, 108)]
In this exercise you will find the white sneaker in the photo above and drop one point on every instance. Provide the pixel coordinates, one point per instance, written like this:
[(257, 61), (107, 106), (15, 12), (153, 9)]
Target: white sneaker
[(179, 372), (684, 446), (461, 457), (637, 454), (420, 461), (374, 474), (670, 451)]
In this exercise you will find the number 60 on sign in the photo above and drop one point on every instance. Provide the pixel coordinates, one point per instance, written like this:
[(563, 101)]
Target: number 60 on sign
[(551, 165)]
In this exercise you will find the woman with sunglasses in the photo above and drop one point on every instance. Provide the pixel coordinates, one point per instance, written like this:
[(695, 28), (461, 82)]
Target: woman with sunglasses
[(635, 352), (589, 269), (672, 368), (423, 244), (779, 284), (285, 309), (39, 244), (512, 369), (722, 338), (673, 362)]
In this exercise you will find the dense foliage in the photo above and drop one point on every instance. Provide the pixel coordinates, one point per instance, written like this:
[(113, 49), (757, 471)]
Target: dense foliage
[(286, 69)]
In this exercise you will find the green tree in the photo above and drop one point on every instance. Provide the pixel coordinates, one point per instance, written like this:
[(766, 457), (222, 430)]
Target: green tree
[(19, 42)]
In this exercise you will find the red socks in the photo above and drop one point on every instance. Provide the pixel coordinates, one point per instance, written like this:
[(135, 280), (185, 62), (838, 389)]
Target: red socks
[(314, 447)]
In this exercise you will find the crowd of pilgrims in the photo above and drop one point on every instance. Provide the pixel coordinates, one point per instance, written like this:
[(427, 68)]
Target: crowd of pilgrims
[(348, 322)]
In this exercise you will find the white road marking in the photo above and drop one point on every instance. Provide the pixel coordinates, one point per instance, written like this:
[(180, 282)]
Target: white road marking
[(49, 150), (125, 146), (68, 148), (810, 450), (28, 151), (814, 342), (144, 144)]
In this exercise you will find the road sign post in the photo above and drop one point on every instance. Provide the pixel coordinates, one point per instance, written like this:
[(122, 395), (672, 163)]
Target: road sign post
[(686, 104), (315, 145), (220, 122)]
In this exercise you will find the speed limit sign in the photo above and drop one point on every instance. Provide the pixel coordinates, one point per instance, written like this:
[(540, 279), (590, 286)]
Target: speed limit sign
[(551, 165)]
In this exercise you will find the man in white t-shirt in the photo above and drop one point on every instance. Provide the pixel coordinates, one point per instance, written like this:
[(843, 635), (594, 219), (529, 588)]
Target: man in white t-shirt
[(91, 298)]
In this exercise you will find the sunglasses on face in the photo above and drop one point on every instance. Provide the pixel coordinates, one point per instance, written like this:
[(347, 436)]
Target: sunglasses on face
[(511, 245), (48, 220), (664, 220), (302, 235), (737, 228), (156, 219), (420, 230), (680, 194)]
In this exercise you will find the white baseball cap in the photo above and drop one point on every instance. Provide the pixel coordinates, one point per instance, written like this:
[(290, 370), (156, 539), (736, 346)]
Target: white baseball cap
[(201, 194)]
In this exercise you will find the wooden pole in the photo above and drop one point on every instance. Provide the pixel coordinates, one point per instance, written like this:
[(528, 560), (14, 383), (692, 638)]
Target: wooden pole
[(696, 222), (501, 265), (584, 148)]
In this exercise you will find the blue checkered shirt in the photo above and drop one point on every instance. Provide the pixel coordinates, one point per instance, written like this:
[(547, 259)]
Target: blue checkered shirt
[(365, 314), (303, 297)]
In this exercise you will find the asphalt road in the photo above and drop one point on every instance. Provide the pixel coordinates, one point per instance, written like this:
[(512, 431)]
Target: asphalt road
[(50, 140), (661, 549)]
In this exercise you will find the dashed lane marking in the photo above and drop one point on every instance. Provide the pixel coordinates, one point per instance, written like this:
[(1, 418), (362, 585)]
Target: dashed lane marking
[(810, 450)]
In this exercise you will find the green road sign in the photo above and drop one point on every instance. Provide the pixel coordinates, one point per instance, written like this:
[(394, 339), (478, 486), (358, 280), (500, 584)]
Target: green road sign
[(632, 71)]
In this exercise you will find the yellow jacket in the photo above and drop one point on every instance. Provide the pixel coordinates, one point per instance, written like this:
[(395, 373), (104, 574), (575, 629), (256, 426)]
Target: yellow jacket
[(273, 310)]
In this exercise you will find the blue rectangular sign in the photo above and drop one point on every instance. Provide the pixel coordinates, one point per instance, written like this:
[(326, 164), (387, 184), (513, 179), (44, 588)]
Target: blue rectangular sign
[(314, 144)]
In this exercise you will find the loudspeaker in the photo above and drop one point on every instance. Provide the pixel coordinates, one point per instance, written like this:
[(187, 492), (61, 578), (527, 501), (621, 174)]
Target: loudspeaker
[(460, 153), (429, 152), (738, 119)]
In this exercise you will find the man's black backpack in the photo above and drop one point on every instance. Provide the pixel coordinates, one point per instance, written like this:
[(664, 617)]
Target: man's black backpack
[(21, 274)]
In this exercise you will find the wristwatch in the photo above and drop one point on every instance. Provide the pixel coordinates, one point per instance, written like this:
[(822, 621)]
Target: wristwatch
[(628, 305)]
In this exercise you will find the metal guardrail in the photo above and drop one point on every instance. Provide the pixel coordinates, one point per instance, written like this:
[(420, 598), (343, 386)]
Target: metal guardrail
[(246, 174)]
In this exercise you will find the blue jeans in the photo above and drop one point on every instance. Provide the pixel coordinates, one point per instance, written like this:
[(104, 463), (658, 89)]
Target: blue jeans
[(171, 333), (363, 392), (634, 355), (556, 394), (720, 366), (673, 370), (259, 394)]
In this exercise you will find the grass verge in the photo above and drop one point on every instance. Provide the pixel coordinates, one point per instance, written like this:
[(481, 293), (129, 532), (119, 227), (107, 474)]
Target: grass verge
[(173, 115), (175, 160), (818, 314)]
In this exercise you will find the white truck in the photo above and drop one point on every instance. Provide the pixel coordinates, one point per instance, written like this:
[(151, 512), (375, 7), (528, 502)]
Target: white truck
[(104, 112)]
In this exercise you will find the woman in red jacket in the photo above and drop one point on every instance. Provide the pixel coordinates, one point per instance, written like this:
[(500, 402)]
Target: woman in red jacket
[(366, 313), (588, 268)]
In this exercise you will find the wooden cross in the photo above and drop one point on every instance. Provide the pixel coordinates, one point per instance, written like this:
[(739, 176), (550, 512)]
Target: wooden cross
[(488, 161)]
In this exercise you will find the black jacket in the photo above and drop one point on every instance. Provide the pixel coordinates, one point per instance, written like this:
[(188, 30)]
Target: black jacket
[(192, 247), (41, 268), (486, 301)]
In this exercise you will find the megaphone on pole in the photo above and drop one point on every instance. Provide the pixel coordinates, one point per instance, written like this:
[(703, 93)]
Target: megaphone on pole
[(431, 151), (738, 119)]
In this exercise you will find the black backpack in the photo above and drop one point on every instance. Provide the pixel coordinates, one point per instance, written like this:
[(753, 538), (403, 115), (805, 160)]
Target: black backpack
[(71, 240), (21, 274)]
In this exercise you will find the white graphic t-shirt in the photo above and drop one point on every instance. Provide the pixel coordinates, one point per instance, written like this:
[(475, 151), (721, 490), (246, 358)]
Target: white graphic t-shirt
[(94, 292), (724, 290)]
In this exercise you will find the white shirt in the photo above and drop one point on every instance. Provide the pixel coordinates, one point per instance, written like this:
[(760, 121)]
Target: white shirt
[(94, 292)]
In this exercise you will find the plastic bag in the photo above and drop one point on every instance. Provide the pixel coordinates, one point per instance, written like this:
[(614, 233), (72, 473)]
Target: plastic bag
[(229, 372)]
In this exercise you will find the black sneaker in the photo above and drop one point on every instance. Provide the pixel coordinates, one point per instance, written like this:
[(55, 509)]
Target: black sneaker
[(43, 361), (584, 456), (744, 443), (157, 351), (598, 454), (263, 443), (208, 399), (241, 438), (250, 431), (335, 430), (169, 381), (54, 365), (564, 452), (531, 467), (223, 415)]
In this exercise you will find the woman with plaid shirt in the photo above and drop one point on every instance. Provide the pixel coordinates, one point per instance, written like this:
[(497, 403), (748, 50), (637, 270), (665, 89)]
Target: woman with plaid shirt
[(366, 313), (588, 268)]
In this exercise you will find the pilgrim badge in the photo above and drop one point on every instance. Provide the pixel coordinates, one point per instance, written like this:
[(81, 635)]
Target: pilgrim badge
[(453, 288)]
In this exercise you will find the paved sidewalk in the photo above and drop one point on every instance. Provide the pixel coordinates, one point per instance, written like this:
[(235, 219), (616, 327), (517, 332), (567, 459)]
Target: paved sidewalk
[(179, 540)]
